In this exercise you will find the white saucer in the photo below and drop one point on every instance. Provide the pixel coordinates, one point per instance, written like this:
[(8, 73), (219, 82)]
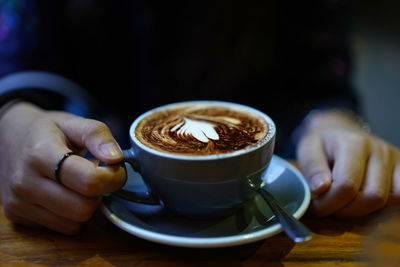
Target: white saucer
[(253, 222)]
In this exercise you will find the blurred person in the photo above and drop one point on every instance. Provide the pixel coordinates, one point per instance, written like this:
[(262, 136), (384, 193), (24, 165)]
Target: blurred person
[(290, 60)]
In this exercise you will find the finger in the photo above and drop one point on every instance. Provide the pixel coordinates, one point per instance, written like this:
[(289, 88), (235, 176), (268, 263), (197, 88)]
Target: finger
[(394, 196), (349, 161), (376, 187), (91, 134), (18, 219), (58, 199), (76, 173), (85, 177), (314, 163), (44, 217)]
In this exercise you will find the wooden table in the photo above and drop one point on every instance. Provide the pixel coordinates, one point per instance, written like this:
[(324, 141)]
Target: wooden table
[(335, 242)]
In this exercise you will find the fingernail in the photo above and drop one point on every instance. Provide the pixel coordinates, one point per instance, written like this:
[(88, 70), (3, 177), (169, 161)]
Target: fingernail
[(111, 150), (318, 181)]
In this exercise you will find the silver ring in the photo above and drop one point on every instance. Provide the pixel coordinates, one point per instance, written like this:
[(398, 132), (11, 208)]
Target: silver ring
[(59, 164)]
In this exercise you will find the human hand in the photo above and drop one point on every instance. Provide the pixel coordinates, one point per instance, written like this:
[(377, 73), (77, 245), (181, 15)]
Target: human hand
[(350, 171), (32, 142)]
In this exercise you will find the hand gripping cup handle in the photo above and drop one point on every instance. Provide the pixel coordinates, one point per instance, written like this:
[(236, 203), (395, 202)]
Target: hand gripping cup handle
[(142, 197)]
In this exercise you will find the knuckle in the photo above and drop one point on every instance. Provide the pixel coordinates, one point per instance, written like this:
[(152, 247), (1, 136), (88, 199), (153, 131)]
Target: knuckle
[(37, 146), (386, 152), (95, 127), (17, 185), (359, 141), (35, 152)]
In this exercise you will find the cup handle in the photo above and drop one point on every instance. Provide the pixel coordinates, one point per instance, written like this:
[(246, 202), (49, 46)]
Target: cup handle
[(145, 197)]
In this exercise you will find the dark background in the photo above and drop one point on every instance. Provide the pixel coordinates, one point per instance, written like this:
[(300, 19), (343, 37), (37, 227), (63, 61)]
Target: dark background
[(376, 75)]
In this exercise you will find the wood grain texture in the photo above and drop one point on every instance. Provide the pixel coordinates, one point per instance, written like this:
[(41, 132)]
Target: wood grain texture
[(368, 241), (334, 242)]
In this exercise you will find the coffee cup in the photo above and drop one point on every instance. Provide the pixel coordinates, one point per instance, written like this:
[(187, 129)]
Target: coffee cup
[(200, 159)]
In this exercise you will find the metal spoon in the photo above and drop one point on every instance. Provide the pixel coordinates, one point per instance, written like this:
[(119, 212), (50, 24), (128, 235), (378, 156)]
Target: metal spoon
[(295, 229)]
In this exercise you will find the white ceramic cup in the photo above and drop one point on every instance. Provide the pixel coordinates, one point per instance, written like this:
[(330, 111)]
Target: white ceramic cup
[(201, 186)]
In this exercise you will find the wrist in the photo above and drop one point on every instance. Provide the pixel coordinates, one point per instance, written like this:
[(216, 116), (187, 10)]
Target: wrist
[(15, 123), (7, 106), (334, 119), (18, 110)]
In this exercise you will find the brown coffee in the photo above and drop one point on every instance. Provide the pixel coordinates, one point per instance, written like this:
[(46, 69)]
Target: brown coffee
[(201, 129)]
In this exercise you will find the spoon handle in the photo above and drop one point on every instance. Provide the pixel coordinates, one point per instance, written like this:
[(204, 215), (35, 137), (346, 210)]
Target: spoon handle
[(296, 230)]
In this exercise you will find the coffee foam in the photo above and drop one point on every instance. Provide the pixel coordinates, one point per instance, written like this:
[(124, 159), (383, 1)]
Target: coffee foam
[(201, 129)]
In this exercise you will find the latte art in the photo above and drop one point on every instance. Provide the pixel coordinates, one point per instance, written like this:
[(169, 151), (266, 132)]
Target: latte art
[(201, 130)]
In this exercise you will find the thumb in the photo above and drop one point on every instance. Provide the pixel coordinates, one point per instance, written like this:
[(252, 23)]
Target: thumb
[(91, 134), (313, 161)]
